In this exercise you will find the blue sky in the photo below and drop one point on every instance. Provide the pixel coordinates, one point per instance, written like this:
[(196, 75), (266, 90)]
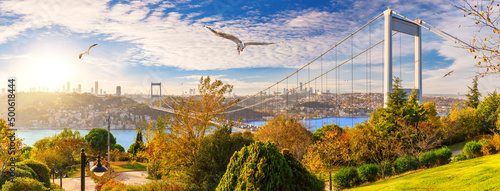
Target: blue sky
[(164, 41)]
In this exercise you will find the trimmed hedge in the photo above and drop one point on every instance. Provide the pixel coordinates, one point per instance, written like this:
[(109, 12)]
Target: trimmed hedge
[(24, 184), (405, 163), (472, 149), (428, 159), (346, 178), (41, 170), (443, 155), (369, 172)]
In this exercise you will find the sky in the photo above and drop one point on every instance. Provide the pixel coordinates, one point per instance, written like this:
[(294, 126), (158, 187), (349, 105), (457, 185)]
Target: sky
[(140, 42)]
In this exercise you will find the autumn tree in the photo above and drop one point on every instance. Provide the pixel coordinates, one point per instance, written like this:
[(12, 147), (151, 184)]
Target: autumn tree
[(485, 16), (286, 133), (194, 117), (473, 95), (10, 146), (489, 109)]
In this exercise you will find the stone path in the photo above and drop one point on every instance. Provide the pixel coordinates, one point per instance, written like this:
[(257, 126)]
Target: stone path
[(131, 177)]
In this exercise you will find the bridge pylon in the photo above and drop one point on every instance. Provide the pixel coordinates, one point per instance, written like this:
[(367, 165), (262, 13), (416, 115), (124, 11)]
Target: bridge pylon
[(155, 92)]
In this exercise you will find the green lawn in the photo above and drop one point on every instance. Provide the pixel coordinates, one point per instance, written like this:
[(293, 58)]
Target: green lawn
[(476, 174), (130, 166)]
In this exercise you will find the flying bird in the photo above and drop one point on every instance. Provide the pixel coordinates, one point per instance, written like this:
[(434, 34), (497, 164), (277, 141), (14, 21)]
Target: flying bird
[(86, 52), (447, 74), (239, 44)]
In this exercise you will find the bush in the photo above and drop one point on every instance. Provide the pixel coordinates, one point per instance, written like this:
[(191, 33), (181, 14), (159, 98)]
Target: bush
[(368, 172), (346, 178), (428, 159), (493, 146), (443, 155), (119, 147), (113, 185), (388, 170), (259, 166), (23, 184), (459, 157), (153, 185), (405, 163), (55, 187), (302, 179), (472, 149), (41, 170)]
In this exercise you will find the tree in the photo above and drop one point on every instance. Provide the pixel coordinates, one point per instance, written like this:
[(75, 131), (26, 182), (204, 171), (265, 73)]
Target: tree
[(10, 146), (473, 95), (286, 133), (489, 109), (194, 117), (138, 144), (485, 44), (213, 157), (69, 144), (98, 140), (260, 166)]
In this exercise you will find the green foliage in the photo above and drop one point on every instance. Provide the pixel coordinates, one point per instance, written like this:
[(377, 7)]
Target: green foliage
[(461, 124), (216, 150), (369, 172), (24, 184), (260, 166), (459, 157), (346, 178), (138, 145), (473, 95), (489, 110), (55, 187), (98, 140), (31, 173), (428, 159), (26, 152), (302, 179), (472, 149), (443, 155), (405, 163), (119, 147), (41, 170)]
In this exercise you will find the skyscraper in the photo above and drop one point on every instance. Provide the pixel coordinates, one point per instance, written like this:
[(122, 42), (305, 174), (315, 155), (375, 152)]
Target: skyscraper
[(79, 88), (118, 91), (69, 89), (92, 90), (96, 88)]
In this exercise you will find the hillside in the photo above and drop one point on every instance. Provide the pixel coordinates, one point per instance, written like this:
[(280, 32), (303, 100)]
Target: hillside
[(476, 174)]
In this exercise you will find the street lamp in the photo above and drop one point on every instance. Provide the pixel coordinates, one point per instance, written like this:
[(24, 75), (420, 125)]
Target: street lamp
[(98, 169)]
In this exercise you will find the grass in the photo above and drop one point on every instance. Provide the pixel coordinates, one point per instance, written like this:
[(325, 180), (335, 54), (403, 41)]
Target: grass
[(128, 166), (474, 174)]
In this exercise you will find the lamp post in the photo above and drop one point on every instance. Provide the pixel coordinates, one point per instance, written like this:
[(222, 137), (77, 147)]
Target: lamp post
[(98, 169), (109, 145)]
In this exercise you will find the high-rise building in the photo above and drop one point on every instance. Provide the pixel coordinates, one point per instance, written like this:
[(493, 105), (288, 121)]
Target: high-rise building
[(79, 88), (69, 89), (118, 91), (300, 86), (92, 90), (96, 88)]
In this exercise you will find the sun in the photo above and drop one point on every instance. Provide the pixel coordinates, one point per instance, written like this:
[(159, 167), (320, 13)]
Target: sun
[(49, 69)]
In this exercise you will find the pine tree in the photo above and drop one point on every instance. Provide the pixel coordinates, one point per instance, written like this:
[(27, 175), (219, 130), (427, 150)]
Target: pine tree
[(473, 95)]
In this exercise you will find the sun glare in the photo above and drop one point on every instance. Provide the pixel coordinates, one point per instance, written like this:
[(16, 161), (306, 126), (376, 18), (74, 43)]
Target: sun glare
[(49, 70)]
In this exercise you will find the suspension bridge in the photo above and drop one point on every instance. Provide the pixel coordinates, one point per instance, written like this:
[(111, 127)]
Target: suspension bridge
[(350, 79)]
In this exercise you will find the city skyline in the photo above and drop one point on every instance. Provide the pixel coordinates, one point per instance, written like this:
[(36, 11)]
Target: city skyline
[(164, 41)]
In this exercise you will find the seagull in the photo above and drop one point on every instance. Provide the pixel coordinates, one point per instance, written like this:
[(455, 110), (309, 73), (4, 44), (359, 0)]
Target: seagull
[(447, 74), (239, 45), (86, 52)]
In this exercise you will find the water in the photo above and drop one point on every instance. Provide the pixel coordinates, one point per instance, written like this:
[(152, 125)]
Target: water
[(123, 137), (126, 137), (314, 124)]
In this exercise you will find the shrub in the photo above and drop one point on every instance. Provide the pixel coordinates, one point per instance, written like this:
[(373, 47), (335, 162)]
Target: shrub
[(472, 149), (405, 163), (302, 179), (368, 172), (387, 168), (119, 147), (459, 157), (55, 187), (443, 155), (113, 185), (428, 159), (41, 170), (259, 166), (346, 178), (493, 146), (23, 184)]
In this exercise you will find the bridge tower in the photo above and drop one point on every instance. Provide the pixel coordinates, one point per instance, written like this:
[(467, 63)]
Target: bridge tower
[(155, 92), (406, 27)]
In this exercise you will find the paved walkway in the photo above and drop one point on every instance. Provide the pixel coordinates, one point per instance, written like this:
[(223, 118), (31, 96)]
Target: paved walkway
[(131, 177)]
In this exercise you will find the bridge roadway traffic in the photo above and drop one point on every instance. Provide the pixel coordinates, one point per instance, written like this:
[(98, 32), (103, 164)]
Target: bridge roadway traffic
[(238, 126)]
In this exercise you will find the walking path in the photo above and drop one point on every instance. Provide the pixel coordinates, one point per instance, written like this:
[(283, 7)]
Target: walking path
[(130, 177)]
